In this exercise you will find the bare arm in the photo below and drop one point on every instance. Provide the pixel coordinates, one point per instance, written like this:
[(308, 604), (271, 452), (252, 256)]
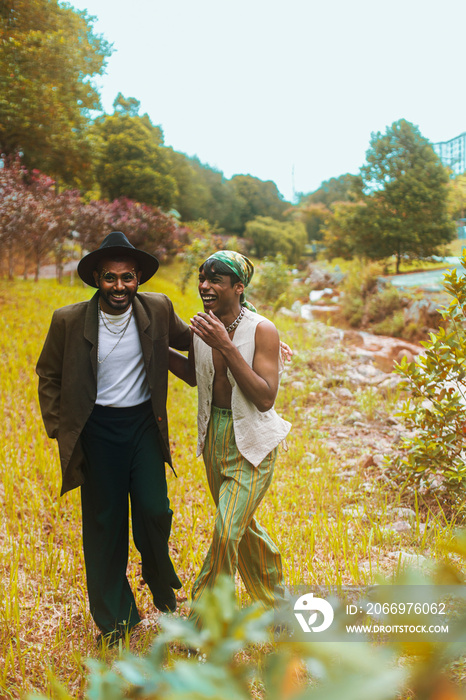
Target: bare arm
[(258, 383), (181, 366)]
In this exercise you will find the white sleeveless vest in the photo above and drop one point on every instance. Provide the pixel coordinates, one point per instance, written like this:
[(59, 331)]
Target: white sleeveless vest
[(256, 433)]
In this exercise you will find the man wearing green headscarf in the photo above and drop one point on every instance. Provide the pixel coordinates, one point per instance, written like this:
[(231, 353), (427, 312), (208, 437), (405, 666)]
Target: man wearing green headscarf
[(234, 360)]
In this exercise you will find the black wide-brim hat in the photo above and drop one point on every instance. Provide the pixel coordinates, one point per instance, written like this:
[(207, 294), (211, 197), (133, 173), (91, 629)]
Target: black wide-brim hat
[(117, 245)]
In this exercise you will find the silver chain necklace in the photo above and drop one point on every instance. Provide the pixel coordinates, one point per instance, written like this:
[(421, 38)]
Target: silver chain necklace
[(236, 322), (106, 319), (120, 333)]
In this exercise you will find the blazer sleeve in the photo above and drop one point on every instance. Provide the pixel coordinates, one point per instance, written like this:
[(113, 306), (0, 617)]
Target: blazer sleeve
[(179, 333), (49, 370)]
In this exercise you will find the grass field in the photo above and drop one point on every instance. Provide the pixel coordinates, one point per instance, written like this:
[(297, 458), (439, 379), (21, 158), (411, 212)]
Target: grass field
[(46, 630)]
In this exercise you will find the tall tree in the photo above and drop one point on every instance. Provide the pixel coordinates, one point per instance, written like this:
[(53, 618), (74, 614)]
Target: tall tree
[(407, 202), (346, 188), (133, 161), (49, 54), (257, 198), (404, 211), (271, 237)]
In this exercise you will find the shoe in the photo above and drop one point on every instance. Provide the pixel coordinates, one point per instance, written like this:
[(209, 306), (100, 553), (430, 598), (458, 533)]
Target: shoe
[(164, 598)]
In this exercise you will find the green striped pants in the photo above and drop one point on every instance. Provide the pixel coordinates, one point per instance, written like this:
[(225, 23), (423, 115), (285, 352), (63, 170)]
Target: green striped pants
[(238, 541)]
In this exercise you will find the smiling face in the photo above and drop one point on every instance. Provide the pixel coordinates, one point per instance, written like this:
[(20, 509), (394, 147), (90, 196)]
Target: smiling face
[(219, 295), (117, 281)]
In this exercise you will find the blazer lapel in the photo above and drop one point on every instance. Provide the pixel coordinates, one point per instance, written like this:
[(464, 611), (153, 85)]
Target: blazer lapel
[(91, 329), (145, 335)]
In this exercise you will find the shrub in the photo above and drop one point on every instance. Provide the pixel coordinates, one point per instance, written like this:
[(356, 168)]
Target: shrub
[(392, 325), (383, 303), (234, 661), (271, 280), (435, 412)]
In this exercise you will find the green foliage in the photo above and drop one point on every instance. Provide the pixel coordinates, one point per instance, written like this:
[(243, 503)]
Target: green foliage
[(256, 198), (367, 304), (271, 280), (346, 188), (271, 237), (342, 230), (436, 409), (393, 326), (49, 54), (314, 217), (404, 211), (133, 162), (457, 196), (383, 303), (228, 658), (206, 241)]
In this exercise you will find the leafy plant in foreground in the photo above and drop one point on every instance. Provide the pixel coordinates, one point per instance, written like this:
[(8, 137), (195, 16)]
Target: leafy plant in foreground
[(435, 412), (233, 661)]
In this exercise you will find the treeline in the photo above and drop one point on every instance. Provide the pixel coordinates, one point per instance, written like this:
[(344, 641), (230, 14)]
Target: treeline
[(70, 172), (59, 149)]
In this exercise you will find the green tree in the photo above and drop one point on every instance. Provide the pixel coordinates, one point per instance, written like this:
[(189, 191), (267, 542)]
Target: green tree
[(457, 197), (406, 185), (256, 198), (49, 54), (193, 194), (346, 188), (133, 162), (222, 204), (342, 230), (271, 237), (434, 413)]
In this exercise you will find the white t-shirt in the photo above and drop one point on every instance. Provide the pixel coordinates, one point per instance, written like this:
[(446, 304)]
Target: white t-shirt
[(121, 375)]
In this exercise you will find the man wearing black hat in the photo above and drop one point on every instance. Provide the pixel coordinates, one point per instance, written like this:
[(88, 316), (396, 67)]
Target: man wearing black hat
[(103, 375)]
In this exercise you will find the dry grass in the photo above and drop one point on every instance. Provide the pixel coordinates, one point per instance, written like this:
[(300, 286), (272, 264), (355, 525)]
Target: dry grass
[(45, 625)]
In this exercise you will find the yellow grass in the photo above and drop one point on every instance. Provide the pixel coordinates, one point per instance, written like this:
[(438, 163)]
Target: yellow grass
[(45, 626)]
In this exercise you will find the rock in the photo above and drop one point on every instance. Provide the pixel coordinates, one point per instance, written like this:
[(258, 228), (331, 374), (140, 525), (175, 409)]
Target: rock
[(310, 457), (353, 417), (306, 312), (352, 338), (317, 294), (390, 383), (300, 386), (368, 462), (403, 513), (296, 307), (319, 278), (400, 526), (355, 512), (343, 393), (410, 559), (287, 312), (422, 312), (347, 473)]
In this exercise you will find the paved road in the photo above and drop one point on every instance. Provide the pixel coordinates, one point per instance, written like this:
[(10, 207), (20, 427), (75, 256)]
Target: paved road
[(431, 280)]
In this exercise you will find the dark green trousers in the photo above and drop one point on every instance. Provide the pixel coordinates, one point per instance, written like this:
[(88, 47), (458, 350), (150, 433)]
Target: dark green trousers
[(123, 458)]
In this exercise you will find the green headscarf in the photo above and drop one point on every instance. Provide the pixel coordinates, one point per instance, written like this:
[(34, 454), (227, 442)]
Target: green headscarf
[(240, 265)]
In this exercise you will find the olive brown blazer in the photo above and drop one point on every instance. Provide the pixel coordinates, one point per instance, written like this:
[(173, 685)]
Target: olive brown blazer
[(67, 369)]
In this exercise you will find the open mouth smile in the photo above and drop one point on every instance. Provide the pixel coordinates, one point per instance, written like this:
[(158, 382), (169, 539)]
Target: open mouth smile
[(207, 299)]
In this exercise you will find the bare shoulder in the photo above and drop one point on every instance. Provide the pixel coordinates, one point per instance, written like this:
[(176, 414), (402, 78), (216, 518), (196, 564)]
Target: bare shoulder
[(266, 332)]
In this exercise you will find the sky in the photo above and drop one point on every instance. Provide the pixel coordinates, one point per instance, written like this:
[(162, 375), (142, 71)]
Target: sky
[(286, 90)]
